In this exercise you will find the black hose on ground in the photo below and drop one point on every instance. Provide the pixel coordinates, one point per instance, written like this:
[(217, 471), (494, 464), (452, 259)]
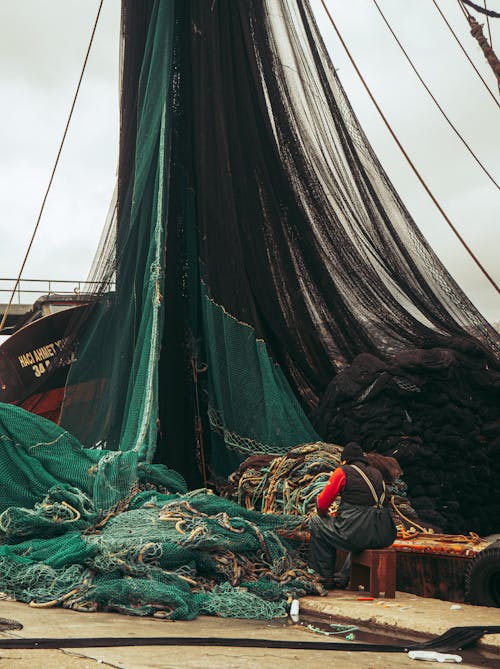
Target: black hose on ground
[(454, 639)]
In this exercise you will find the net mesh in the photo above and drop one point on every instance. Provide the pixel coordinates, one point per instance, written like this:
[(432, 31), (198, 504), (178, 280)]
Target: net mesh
[(161, 551), (255, 249), (259, 246)]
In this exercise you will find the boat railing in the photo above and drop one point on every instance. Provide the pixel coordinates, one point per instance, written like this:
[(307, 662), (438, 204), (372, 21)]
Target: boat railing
[(28, 290)]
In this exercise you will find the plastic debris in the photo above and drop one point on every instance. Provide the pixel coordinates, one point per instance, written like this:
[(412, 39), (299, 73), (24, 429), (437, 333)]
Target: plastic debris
[(433, 656), (294, 610), (336, 629), (455, 607)]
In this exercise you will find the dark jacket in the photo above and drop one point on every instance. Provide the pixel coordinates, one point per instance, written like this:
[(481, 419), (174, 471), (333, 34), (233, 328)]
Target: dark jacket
[(356, 491)]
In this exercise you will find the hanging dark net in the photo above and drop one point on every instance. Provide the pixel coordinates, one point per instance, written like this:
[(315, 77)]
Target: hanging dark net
[(289, 254), (256, 250)]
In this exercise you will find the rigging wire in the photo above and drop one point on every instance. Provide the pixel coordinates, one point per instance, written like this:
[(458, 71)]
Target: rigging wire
[(488, 24), (405, 154), (464, 11), (56, 162), (448, 120), (465, 52)]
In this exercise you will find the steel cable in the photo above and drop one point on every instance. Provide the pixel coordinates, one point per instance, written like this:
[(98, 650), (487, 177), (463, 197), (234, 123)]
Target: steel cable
[(446, 117), (405, 154)]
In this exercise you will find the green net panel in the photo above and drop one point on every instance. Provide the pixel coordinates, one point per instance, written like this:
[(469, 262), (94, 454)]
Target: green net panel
[(120, 349), (251, 407)]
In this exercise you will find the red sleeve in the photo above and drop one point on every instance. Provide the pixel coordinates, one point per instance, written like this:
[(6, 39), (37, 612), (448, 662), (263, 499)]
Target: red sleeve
[(335, 485)]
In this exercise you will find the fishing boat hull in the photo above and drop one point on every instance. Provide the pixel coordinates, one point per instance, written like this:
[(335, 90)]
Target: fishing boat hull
[(35, 360)]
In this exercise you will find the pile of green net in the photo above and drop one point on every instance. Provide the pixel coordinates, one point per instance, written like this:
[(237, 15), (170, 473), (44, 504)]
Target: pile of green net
[(159, 551), (169, 555)]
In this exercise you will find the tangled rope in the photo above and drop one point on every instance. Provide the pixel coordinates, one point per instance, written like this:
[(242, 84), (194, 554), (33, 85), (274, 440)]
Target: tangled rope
[(290, 484), (490, 55)]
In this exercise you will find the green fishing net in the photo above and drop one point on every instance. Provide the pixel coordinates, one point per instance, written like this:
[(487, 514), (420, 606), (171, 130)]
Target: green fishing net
[(75, 534)]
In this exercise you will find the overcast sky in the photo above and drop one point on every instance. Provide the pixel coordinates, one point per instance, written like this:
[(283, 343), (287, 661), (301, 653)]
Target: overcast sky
[(42, 46)]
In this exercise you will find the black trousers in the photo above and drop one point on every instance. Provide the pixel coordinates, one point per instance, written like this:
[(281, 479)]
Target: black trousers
[(325, 539), (354, 528)]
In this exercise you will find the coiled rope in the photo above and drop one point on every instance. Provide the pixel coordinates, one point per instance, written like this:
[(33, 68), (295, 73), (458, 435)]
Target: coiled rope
[(476, 30), (465, 53)]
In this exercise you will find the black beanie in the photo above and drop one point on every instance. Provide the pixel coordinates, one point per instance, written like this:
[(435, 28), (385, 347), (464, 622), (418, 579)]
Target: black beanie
[(352, 452)]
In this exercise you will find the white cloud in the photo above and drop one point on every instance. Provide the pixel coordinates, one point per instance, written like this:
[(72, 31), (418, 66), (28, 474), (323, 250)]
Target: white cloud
[(42, 46)]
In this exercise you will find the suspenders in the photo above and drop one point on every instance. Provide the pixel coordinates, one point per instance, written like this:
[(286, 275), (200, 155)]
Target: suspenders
[(378, 501)]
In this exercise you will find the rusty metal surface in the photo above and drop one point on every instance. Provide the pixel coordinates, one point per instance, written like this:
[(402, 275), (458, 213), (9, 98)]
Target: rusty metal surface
[(431, 575)]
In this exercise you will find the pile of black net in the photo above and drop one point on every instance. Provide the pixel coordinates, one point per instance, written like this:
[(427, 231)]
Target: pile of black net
[(437, 412)]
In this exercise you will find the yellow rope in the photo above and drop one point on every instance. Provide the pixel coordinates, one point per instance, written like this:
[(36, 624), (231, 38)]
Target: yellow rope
[(78, 515), (411, 522), (54, 602)]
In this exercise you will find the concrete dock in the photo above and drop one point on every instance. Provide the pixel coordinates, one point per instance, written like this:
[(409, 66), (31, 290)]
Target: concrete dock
[(406, 616)]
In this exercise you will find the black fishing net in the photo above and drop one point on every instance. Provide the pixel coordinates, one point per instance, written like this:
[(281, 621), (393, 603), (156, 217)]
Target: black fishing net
[(437, 412), (286, 252)]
